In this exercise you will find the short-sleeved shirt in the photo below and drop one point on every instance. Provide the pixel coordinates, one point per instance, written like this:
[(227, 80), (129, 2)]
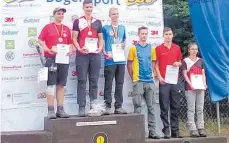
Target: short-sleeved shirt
[(50, 34), (166, 56), (192, 67), (142, 58), (108, 36), (83, 27)]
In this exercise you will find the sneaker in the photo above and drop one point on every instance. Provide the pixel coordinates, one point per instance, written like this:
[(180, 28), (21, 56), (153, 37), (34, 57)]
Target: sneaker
[(51, 114), (202, 133), (120, 111), (107, 111), (153, 136), (62, 114), (194, 133), (82, 111)]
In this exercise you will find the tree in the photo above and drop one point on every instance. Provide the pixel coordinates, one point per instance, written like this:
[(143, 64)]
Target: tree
[(176, 16)]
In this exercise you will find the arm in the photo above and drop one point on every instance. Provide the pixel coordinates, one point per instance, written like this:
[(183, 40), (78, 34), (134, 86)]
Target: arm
[(185, 74), (130, 68), (204, 78), (124, 39), (41, 40), (161, 79), (100, 37)]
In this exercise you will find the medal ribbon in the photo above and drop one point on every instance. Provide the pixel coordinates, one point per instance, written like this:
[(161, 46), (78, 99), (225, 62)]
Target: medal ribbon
[(115, 32), (89, 24), (59, 33)]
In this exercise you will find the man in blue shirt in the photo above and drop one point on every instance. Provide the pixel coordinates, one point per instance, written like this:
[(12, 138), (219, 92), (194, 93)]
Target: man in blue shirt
[(113, 34)]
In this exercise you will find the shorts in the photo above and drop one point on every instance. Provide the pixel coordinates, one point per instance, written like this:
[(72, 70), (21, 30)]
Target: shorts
[(59, 76)]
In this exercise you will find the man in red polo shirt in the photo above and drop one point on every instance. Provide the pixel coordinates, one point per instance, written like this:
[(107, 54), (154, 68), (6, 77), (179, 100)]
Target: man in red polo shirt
[(168, 53), (88, 40), (51, 35)]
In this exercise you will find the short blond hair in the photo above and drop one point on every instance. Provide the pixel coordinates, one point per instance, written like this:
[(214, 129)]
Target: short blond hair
[(112, 8)]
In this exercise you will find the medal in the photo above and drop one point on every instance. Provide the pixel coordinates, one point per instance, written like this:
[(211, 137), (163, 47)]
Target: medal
[(60, 33), (89, 33), (89, 23), (60, 39), (115, 34)]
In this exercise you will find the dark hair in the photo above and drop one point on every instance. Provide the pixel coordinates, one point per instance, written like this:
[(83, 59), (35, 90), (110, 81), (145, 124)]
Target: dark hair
[(166, 29), (87, 2), (142, 28)]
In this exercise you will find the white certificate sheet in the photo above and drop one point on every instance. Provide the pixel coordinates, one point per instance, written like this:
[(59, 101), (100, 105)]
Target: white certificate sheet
[(197, 81), (171, 74), (118, 53), (91, 44), (61, 56), (42, 74)]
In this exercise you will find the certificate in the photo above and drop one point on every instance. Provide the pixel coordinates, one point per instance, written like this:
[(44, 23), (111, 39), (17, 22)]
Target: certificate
[(42, 74), (61, 56), (197, 81), (91, 44), (171, 74), (118, 53)]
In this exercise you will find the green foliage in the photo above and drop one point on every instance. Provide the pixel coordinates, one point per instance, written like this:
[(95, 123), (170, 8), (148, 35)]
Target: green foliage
[(176, 16)]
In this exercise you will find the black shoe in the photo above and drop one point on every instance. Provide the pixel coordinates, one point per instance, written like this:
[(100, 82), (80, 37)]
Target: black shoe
[(167, 137), (120, 111), (153, 137)]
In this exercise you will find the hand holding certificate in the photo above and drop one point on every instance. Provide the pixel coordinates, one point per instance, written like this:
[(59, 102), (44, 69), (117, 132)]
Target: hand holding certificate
[(91, 45), (62, 54), (197, 81), (171, 75), (118, 53)]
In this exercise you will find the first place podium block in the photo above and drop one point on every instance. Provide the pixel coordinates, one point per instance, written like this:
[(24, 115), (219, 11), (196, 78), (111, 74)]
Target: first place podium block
[(105, 129)]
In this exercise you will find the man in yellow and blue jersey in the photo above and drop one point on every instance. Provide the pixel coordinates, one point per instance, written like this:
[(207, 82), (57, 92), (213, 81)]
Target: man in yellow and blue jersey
[(113, 33), (141, 61)]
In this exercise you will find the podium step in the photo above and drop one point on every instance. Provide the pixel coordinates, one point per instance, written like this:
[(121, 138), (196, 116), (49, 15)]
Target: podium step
[(190, 140), (113, 129), (26, 137)]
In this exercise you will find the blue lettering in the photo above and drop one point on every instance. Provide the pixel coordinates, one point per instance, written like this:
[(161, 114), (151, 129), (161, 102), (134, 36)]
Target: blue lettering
[(95, 2)]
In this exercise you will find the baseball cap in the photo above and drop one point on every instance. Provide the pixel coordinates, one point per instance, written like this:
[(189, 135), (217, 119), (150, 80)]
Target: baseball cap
[(59, 9)]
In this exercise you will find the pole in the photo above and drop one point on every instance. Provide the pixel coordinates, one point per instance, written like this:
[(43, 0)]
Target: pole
[(218, 118)]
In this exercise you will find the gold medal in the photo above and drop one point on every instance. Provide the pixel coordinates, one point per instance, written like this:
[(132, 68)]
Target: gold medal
[(60, 39)]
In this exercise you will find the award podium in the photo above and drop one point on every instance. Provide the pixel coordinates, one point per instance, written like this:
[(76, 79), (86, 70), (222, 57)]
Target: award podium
[(129, 128)]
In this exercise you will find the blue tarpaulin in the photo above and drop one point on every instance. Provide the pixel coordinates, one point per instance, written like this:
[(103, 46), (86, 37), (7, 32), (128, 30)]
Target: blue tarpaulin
[(210, 20)]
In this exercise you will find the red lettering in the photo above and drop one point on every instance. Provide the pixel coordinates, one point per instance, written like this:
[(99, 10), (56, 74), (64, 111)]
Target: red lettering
[(153, 32), (9, 19), (74, 73)]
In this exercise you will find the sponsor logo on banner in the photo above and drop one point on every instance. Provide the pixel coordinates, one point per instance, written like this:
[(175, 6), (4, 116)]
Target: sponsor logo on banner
[(154, 32), (31, 20), (9, 44), (139, 2), (154, 24), (20, 3), (12, 78), (9, 33), (31, 55), (95, 2), (74, 73), (10, 56), (32, 43), (32, 65), (133, 33), (8, 21), (32, 32), (11, 67), (30, 78)]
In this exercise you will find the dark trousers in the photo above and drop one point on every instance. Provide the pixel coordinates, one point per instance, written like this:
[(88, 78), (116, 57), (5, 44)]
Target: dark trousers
[(87, 65), (111, 72), (169, 96)]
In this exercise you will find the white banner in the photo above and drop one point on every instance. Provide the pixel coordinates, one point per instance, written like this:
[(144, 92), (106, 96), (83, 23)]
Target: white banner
[(22, 22)]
